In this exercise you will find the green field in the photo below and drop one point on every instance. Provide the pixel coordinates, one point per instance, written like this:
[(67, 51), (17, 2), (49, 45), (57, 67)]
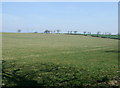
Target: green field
[(59, 60)]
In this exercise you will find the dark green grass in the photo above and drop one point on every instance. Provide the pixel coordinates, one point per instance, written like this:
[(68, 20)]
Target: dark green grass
[(100, 35), (59, 60), (104, 36)]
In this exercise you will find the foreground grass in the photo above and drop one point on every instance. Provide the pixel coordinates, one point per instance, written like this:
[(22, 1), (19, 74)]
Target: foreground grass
[(59, 60)]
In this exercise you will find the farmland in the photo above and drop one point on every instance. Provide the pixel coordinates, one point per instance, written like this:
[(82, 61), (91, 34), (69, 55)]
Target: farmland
[(59, 60)]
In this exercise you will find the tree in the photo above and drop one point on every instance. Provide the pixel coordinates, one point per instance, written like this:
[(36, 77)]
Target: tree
[(58, 31), (75, 32), (35, 32), (84, 32), (46, 31), (98, 33), (18, 30)]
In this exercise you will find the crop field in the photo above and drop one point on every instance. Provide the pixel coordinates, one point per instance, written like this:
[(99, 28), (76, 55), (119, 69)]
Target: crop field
[(59, 60)]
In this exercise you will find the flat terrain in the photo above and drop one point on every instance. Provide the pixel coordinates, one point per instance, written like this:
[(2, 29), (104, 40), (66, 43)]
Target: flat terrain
[(34, 59)]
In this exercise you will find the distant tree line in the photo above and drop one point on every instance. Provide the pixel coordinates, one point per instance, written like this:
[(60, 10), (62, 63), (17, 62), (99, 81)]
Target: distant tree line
[(49, 31), (19, 30), (98, 34)]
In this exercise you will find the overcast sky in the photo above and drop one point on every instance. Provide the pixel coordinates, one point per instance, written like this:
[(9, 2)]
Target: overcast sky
[(65, 16)]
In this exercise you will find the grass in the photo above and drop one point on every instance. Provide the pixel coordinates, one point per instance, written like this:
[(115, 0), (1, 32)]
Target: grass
[(59, 60)]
